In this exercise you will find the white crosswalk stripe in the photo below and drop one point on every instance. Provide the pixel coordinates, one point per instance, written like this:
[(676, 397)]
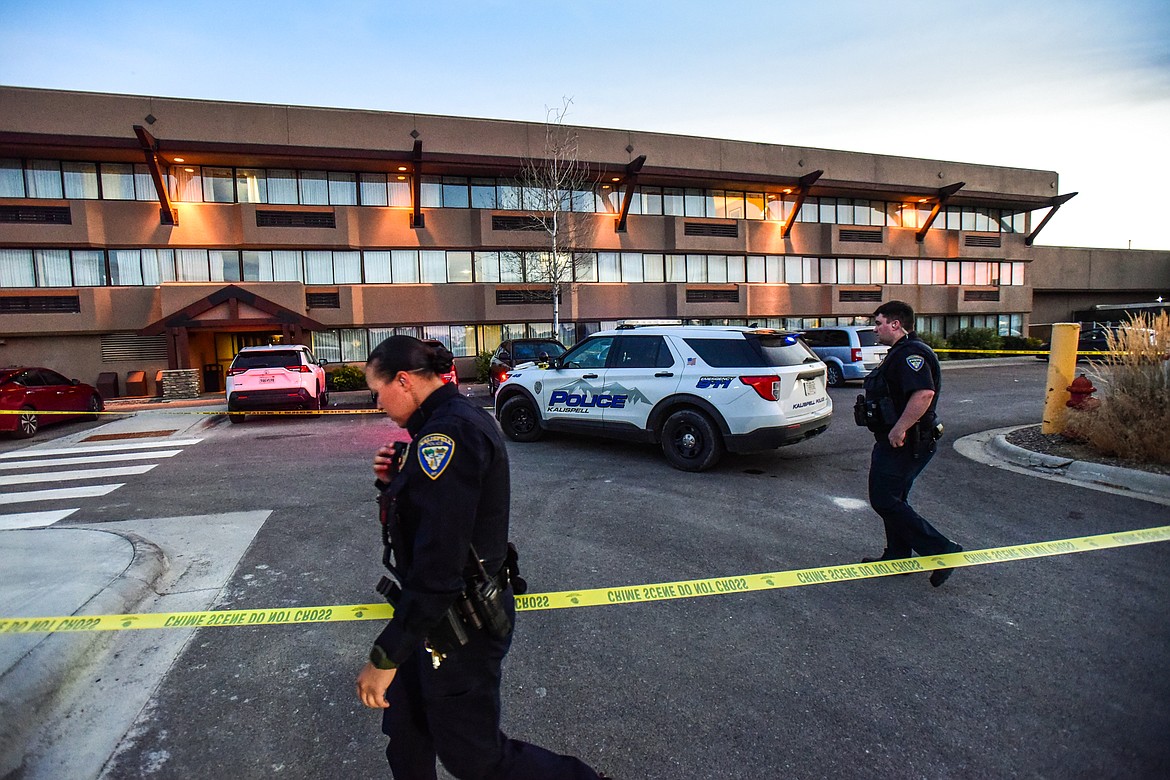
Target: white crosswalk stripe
[(33, 467), (87, 448), (73, 476), (120, 457), (33, 519), (58, 494)]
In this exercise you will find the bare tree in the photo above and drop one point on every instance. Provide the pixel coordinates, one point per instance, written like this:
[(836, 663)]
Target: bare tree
[(557, 191)]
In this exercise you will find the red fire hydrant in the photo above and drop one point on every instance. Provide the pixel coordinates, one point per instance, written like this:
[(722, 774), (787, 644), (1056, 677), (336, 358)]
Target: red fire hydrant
[(1080, 392)]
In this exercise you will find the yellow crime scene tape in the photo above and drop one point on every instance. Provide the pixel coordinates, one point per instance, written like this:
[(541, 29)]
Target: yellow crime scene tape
[(597, 597)]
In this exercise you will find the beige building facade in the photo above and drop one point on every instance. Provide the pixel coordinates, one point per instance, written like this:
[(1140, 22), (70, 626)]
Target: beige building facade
[(144, 233)]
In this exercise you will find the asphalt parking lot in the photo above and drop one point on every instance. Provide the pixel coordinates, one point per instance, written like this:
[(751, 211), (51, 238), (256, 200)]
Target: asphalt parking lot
[(1043, 668)]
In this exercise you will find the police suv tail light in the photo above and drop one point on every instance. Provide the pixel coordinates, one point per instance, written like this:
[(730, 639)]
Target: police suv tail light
[(298, 369), (768, 387), (855, 355), (235, 371)]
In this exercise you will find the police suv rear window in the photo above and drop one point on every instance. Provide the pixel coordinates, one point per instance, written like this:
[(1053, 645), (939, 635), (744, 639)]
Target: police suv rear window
[(752, 351), (267, 359), (867, 338)]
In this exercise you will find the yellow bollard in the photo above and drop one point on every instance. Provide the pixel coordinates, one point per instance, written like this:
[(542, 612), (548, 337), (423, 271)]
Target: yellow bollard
[(1062, 364)]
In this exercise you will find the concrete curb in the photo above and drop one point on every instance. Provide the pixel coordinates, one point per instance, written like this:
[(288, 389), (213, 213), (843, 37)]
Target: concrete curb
[(1133, 480), (32, 685)]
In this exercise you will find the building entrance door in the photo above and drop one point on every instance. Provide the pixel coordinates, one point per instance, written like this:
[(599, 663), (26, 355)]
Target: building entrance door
[(226, 347)]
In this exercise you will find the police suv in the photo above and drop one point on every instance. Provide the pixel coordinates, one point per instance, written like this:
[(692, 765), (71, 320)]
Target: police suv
[(698, 391)]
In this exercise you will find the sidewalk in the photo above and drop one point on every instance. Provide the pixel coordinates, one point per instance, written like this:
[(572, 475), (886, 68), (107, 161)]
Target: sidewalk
[(992, 448)]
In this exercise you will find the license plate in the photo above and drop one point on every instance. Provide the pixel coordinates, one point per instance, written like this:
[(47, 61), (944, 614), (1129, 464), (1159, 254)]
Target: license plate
[(267, 380), (810, 386)]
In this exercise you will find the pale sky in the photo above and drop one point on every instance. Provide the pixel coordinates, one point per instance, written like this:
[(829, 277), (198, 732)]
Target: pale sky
[(1081, 87)]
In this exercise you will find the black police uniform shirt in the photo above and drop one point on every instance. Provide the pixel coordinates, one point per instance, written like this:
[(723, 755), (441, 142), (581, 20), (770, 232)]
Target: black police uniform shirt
[(455, 494), (908, 367)]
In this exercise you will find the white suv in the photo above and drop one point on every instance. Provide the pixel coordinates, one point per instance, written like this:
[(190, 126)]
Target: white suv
[(696, 390), (277, 377)]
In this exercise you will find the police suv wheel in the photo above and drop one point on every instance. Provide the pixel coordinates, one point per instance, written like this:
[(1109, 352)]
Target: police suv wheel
[(519, 420), (836, 378), (690, 441)]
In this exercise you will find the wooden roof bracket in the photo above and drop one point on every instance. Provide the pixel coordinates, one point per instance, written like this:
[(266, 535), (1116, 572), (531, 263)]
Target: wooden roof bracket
[(417, 219), (944, 194), (802, 187), (632, 168), (167, 213), (1056, 203)]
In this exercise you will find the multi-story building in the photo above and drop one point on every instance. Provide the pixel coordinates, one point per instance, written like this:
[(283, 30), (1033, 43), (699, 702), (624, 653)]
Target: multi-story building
[(143, 233)]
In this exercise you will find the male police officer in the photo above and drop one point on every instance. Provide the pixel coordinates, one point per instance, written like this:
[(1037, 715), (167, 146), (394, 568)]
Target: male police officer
[(900, 398)]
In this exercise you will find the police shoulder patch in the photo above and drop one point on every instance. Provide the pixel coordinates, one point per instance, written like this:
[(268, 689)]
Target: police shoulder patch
[(434, 453), (916, 362)]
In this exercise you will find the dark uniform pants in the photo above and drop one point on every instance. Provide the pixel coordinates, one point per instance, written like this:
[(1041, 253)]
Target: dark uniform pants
[(453, 713), (892, 472)]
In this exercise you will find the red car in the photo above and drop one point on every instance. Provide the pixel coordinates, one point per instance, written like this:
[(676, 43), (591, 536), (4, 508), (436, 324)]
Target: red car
[(28, 391)]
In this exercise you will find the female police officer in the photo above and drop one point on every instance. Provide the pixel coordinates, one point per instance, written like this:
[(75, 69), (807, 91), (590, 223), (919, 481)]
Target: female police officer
[(451, 496)]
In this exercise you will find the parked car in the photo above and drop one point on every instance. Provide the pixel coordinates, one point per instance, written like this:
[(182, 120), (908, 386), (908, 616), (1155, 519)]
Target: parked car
[(30, 391), (849, 351), (513, 352), (1094, 338), (696, 391), (273, 378)]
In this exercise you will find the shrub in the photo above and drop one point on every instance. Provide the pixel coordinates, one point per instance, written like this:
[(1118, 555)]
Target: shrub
[(936, 342), (345, 378), (482, 362), (974, 338), (1133, 418), (1022, 343)]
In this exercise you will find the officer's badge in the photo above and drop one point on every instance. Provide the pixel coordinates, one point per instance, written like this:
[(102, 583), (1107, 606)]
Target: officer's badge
[(915, 361), (434, 453)]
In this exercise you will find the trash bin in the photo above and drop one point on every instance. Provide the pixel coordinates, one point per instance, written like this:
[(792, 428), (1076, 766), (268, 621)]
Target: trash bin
[(136, 383), (158, 384), (107, 384), (212, 378)]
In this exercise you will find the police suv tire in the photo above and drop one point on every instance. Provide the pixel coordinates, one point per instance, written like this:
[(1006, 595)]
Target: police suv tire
[(519, 419), (690, 441), (836, 378)]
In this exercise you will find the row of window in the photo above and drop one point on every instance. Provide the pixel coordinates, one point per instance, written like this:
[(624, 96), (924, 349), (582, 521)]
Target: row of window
[(353, 345), (125, 181), (150, 267)]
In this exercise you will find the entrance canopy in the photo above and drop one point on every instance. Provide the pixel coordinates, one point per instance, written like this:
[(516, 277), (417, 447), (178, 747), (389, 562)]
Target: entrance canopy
[(232, 309)]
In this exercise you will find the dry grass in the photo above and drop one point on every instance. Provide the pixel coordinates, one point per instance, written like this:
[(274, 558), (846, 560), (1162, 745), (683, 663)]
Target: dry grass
[(1133, 419)]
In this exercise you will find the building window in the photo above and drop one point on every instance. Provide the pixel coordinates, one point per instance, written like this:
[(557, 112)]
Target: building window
[(218, 185), (313, 187), (117, 181), (343, 189), (81, 180), (376, 267)]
